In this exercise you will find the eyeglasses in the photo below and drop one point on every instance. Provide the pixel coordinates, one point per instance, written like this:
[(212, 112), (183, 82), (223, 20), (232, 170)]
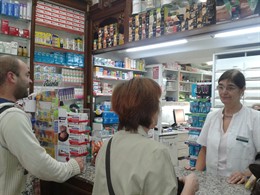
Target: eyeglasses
[(228, 88)]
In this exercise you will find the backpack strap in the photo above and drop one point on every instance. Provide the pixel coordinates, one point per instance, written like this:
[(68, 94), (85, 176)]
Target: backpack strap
[(108, 173), (5, 108), (2, 110)]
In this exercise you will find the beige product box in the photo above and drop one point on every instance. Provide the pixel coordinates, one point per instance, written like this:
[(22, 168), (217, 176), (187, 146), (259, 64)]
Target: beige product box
[(62, 25), (7, 47), (70, 14), (2, 47), (39, 10), (75, 16), (14, 48), (38, 19), (62, 17), (75, 28)]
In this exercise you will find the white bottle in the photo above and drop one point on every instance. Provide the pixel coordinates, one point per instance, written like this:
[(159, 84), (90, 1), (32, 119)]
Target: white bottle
[(29, 11), (1, 47), (136, 6), (21, 11), (24, 11)]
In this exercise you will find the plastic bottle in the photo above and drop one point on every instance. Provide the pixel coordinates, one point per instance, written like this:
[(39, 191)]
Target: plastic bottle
[(16, 9), (21, 10), (25, 52), (20, 51), (10, 8), (29, 10), (24, 11)]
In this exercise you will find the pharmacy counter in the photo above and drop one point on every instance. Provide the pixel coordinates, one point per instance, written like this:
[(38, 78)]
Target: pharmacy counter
[(83, 184)]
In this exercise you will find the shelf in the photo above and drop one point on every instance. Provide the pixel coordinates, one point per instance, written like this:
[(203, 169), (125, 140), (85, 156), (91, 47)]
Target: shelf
[(58, 49), (21, 57), (172, 90), (194, 128), (60, 83), (193, 143), (118, 68), (16, 37), (185, 91), (196, 114), (168, 69), (59, 28), (14, 18), (102, 94), (207, 30), (59, 66), (204, 83), (169, 80), (110, 78), (187, 82)]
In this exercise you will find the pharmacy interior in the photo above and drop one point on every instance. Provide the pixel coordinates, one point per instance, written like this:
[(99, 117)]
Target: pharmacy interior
[(79, 50)]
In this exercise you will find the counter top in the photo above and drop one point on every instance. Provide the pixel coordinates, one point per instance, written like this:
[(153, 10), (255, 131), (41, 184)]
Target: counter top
[(215, 185)]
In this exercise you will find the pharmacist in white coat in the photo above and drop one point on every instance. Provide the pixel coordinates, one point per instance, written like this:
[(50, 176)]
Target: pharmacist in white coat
[(230, 137)]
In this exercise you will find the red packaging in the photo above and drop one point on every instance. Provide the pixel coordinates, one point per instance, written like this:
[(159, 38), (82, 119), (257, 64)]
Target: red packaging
[(13, 31), (26, 33), (5, 27)]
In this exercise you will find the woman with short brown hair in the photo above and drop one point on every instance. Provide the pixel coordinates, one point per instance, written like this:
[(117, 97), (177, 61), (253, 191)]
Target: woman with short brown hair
[(138, 164)]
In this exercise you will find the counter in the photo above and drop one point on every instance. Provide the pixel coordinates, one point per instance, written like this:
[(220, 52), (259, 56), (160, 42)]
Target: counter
[(209, 184)]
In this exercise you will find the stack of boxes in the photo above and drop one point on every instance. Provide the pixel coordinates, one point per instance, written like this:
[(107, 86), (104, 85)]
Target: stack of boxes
[(44, 38), (199, 109), (58, 16), (167, 20), (108, 36), (63, 134)]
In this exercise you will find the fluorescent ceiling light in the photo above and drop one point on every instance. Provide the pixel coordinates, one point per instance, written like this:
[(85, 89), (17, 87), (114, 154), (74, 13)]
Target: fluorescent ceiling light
[(159, 45), (209, 63), (238, 32)]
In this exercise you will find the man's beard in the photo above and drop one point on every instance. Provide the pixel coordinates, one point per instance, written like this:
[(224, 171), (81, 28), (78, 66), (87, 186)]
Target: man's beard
[(21, 92)]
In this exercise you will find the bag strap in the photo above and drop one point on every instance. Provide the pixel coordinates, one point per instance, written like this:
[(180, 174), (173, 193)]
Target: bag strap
[(108, 173), (5, 108)]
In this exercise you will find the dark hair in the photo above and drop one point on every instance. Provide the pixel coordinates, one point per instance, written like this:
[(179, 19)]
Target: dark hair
[(8, 63), (235, 76), (135, 102)]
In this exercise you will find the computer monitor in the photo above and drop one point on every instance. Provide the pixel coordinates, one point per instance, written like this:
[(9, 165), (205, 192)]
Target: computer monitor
[(179, 117)]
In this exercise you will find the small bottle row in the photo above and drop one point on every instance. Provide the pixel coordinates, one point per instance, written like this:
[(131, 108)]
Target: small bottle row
[(49, 39), (200, 107), (66, 59), (128, 63), (51, 74), (16, 9), (13, 48), (121, 75), (12, 30)]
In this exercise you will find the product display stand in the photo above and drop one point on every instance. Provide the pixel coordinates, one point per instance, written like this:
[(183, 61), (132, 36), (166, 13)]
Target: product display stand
[(62, 133), (199, 109)]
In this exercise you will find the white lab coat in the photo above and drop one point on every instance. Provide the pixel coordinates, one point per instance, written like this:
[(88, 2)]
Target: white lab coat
[(243, 141)]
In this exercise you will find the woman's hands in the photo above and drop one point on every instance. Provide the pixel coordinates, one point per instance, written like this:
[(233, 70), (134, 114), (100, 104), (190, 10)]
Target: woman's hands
[(237, 178), (191, 184)]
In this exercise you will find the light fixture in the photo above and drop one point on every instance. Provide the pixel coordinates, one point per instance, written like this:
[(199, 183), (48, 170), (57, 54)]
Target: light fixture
[(156, 46), (209, 63), (238, 32)]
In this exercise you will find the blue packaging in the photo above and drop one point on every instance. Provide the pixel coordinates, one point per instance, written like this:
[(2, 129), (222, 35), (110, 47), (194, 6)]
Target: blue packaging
[(10, 9), (16, 9), (4, 7), (0, 6)]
